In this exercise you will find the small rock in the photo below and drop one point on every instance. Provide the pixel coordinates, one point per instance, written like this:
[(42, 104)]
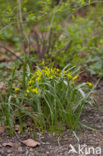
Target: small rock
[(1, 151), (47, 152), (16, 146), (31, 150), (20, 149), (27, 152), (9, 151)]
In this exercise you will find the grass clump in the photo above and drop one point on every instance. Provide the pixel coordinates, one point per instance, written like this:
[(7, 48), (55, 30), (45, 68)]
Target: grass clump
[(56, 97), (52, 98)]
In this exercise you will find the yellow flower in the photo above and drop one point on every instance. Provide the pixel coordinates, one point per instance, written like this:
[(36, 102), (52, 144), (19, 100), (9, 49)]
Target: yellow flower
[(52, 71), (46, 71), (45, 67), (75, 77), (38, 72), (64, 72), (52, 76), (27, 91), (26, 94), (35, 90), (38, 79), (30, 82), (69, 75), (33, 76), (17, 89), (42, 63), (57, 69), (90, 84), (30, 87)]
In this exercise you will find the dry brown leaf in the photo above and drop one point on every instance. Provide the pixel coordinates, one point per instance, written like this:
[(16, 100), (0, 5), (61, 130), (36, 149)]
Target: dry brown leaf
[(8, 144), (16, 146), (30, 143), (36, 115), (2, 128)]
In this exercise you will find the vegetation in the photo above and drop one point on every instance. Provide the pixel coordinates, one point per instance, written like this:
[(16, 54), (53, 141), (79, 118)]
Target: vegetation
[(57, 40)]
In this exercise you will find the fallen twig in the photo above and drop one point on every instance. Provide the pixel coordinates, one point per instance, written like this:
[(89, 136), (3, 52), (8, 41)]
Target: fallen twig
[(10, 51)]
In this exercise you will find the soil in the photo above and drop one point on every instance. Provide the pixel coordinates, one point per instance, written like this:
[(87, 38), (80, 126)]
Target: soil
[(56, 145)]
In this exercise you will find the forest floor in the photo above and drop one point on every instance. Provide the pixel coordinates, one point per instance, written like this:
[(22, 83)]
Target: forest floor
[(53, 144)]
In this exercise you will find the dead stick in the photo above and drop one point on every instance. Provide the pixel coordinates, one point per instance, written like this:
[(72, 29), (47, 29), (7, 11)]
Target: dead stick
[(21, 24), (10, 51)]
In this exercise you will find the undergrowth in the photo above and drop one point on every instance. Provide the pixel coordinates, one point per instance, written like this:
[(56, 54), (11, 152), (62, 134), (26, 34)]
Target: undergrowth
[(62, 32), (51, 97)]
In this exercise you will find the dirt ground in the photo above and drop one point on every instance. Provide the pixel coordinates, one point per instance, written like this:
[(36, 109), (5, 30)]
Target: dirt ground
[(55, 145)]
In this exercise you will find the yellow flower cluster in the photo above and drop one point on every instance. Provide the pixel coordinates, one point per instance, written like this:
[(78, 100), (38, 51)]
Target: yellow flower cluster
[(30, 89), (30, 82), (49, 73), (39, 74), (46, 71), (35, 90)]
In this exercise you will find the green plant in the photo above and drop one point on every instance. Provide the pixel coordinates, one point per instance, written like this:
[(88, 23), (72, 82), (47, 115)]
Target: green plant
[(53, 98), (56, 97), (94, 63), (84, 29)]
